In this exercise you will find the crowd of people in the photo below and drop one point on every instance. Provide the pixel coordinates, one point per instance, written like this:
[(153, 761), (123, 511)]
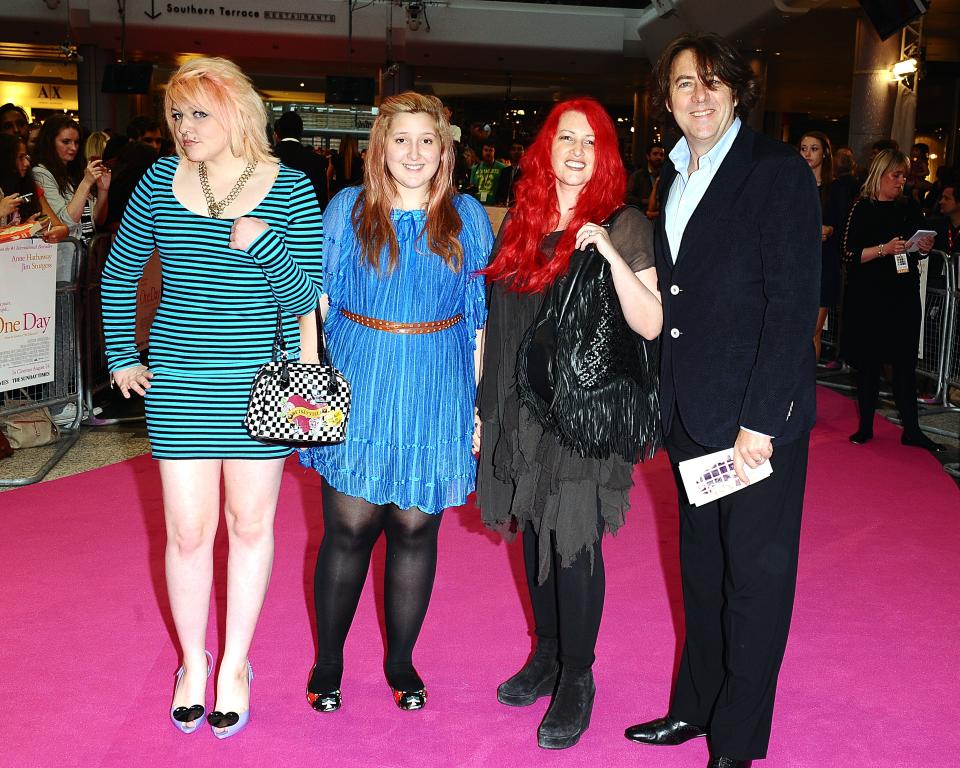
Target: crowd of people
[(734, 245)]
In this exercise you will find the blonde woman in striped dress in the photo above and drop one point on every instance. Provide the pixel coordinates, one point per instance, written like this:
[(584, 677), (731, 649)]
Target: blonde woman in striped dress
[(238, 234)]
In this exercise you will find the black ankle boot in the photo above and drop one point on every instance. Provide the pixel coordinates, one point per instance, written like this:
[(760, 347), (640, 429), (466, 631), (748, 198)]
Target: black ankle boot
[(537, 678), (569, 713)]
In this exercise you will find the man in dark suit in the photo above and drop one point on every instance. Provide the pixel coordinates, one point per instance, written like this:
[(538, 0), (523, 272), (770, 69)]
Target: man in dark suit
[(287, 132), (738, 264)]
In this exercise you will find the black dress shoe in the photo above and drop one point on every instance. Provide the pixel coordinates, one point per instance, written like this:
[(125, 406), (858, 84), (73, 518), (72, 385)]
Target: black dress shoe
[(538, 677), (728, 762), (861, 436), (920, 440), (664, 731), (569, 713)]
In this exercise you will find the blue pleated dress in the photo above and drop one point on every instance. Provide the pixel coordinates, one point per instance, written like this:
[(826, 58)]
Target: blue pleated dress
[(411, 419)]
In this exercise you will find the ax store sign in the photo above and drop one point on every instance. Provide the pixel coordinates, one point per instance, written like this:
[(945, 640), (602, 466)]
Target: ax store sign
[(39, 95)]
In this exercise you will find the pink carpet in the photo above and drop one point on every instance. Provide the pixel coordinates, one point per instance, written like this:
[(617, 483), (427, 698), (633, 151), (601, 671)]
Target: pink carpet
[(870, 677)]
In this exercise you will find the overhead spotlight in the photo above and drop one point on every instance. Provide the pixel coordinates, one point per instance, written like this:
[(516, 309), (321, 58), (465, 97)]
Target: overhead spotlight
[(904, 68), (414, 11)]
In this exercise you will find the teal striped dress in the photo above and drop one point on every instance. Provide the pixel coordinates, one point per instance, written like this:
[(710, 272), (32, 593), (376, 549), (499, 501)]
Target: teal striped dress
[(214, 326), (411, 418)]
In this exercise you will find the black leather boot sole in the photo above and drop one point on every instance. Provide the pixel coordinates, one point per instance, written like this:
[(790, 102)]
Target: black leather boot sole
[(536, 679), (569, 713)]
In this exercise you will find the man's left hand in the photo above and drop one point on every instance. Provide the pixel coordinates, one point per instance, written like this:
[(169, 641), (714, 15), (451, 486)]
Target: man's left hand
[(750, 449)]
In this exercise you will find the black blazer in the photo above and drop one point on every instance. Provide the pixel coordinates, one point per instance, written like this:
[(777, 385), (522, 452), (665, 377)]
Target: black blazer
[(295, 155), (740, 304)]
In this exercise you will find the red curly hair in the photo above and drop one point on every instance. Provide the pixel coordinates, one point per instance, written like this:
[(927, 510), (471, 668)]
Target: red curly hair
[(535, 213)]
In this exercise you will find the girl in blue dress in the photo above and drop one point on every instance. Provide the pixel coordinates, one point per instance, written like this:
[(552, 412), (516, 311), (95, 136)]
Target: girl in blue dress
[(406, 310)]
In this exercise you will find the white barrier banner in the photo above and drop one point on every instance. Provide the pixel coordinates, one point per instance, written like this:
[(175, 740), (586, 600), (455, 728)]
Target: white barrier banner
[(28, 300)]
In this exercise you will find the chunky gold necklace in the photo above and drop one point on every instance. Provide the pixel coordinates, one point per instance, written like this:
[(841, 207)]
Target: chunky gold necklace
[(214, 208)]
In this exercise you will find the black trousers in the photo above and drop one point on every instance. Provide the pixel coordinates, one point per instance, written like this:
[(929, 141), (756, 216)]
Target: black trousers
[(738, 564), (904, 392)]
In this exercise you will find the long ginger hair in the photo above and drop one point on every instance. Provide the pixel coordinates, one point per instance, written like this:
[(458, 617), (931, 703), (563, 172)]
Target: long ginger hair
[(371, 212), (536, 212)]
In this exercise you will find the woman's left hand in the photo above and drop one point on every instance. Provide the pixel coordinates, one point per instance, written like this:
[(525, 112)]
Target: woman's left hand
[(825, 232), (245, 230), (925, 243), (596, 235)]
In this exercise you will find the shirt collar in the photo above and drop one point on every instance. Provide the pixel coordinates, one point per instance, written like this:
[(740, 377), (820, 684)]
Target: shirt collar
[(680, 154)]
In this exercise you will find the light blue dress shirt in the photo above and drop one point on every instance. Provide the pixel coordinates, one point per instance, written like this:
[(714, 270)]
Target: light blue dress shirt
[(688, 189)]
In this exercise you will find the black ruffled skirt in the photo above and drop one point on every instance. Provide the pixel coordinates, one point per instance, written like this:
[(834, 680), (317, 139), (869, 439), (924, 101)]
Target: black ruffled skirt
[(524, 474)]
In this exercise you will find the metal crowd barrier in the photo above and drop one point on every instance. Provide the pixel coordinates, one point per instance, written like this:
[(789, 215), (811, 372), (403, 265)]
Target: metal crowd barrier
[(95, 374), (67, 386), (941, 310), (830, 341)]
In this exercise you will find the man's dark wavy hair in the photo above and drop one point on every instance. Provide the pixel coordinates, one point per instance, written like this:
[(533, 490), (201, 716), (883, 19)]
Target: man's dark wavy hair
[(715, 57)]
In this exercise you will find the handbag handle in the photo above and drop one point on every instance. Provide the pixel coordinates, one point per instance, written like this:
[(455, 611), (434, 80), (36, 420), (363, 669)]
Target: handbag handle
[(280, 352)]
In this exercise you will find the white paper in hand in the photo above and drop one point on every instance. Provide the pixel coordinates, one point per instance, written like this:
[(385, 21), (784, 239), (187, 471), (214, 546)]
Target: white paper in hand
[(912, 244), (711, 477)]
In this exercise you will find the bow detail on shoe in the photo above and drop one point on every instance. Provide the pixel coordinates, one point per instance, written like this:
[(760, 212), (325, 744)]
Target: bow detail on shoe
[(223, 719)]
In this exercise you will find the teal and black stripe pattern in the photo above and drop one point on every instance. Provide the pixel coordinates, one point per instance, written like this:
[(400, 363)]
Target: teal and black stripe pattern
[(214, 326)]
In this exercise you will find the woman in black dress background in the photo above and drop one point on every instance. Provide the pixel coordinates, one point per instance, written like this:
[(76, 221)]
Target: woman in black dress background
[(882, 303)]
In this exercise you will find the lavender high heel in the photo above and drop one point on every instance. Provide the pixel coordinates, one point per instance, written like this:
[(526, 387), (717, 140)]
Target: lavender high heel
[(185, 718), (230, 722)]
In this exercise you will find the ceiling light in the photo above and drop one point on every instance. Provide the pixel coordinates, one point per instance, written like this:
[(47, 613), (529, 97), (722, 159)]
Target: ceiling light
[(904, 68)]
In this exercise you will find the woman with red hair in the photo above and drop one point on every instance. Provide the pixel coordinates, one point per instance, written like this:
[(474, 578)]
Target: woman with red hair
[(572, 179)]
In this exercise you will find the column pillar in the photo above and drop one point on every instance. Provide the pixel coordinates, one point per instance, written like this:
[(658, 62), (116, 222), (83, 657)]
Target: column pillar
[(874, 93), (396, 78), (97, 110)]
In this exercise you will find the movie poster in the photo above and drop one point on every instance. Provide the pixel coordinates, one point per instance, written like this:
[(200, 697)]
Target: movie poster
[(28, 296)]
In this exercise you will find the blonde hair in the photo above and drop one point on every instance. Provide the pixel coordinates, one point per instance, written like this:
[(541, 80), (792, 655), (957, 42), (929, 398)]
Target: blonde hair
[(881, 165), (219, 87), (93, 148), (371, 212)]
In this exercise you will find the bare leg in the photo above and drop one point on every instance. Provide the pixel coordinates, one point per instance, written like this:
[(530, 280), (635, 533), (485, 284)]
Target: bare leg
[(191, 502), (251, 489)]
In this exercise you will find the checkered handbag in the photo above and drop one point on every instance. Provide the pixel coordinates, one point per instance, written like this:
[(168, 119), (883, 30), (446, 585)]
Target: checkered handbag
[(298, 404)]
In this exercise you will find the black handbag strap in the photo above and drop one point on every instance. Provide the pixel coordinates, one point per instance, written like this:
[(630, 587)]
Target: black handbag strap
[(580, 267), (280, 344)]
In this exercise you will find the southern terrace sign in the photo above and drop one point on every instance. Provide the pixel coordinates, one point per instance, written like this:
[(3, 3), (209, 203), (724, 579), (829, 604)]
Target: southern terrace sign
[(225, 11)]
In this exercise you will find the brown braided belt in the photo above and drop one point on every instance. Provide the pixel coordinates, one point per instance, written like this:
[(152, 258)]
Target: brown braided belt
[(391, 327)]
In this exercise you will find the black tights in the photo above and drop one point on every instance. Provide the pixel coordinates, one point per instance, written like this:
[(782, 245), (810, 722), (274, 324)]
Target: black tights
[(904, 393), (351, 528), (568, 605)]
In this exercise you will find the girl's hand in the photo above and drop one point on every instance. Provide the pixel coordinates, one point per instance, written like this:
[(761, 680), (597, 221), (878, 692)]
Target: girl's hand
[(825, 232), (245, 230), (477, 430), (9, 204), (56, 234), (136, 377), (94, 171)]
